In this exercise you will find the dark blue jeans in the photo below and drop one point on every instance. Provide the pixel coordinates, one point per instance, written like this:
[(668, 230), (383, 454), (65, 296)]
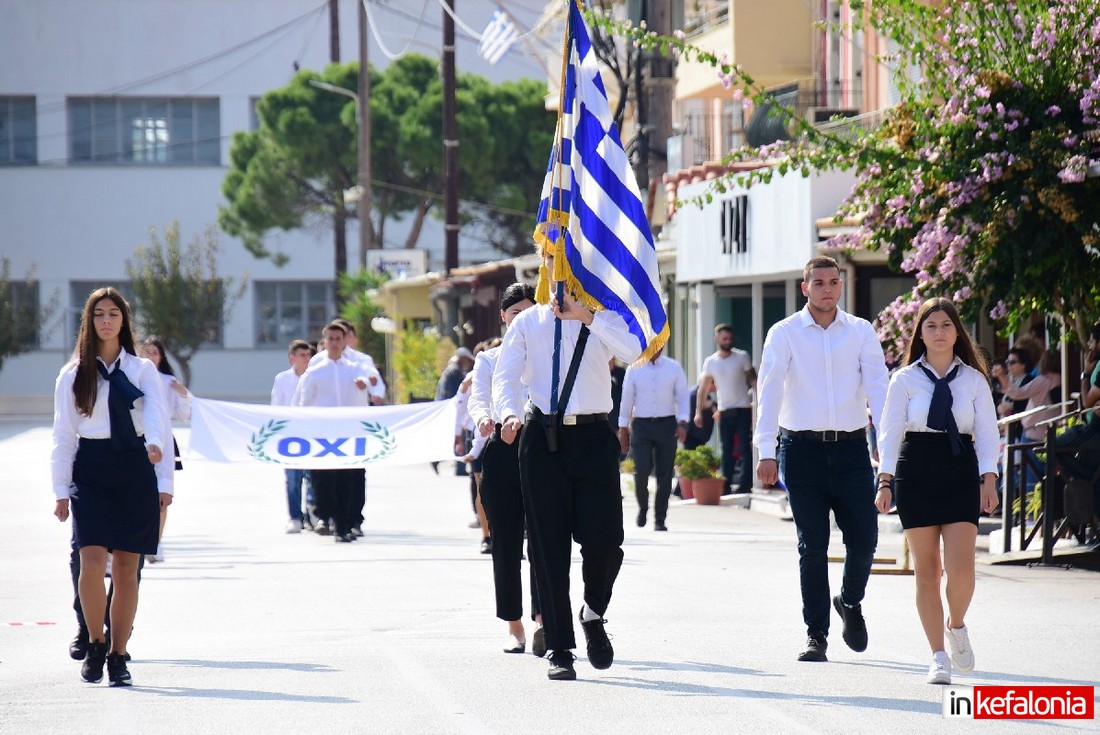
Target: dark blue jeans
[(823, 476), (736, 422)]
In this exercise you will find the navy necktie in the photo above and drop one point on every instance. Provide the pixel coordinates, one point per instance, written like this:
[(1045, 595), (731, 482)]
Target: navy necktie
[(940, 417), (120, 399)]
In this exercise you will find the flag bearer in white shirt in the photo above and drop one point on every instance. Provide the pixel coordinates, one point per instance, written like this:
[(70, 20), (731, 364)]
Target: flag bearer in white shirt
[(653, 417), (819, 370), (571, 493)]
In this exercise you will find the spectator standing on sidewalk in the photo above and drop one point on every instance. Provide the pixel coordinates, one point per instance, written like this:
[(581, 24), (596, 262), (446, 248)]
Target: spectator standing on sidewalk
[(731, 372), (819, 370), (652, 420), (939, 450)]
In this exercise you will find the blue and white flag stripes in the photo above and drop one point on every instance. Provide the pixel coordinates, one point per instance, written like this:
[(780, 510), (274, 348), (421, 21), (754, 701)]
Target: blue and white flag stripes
[(497, 38), (591, 208)]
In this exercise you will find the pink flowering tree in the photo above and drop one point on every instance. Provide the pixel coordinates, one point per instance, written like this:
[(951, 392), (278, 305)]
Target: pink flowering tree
[(977, 183)]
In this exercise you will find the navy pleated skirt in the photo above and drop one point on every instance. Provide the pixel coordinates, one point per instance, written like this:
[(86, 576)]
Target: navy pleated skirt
[(932, 487), (115, 502)]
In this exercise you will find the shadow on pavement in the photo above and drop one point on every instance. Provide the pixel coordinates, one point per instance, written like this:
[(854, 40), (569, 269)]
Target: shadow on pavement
[(241, 694), (259, 665)]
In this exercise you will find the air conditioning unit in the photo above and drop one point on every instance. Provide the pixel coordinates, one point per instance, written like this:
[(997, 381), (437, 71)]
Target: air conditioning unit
[(819, 115)]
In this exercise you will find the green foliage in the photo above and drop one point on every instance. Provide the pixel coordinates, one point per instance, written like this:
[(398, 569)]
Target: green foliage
[(21, 319), (295, 167), (626, 467), (415, 364), (178, 295), (357, 306), (698, 463)]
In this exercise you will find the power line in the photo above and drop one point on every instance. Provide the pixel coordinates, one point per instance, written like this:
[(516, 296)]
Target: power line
[(378, 38)]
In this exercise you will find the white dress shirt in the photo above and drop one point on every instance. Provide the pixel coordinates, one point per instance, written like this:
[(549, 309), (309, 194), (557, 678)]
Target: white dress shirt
[(525, 363), (463, 422), (816, 379), (179, 407), (481, 387), (731, 378), (654, 390), (331, 383), (377, 386), (282, 389), (150, 416), (907, 403)]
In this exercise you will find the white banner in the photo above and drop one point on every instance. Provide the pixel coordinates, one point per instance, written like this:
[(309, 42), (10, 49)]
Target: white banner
[(322, 438)]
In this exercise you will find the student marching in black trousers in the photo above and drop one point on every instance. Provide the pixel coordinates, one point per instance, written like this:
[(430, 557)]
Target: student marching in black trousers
[(110, 423), (571, 485), (500, 491)]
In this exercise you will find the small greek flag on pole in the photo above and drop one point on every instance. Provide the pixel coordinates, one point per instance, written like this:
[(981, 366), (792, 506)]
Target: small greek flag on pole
[(497, 38), (591, 208)]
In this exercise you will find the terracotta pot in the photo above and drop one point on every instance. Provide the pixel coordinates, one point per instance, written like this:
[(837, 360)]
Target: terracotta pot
[(686, 488), (707, 490)]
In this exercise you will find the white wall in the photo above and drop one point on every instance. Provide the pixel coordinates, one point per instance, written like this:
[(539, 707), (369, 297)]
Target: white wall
[(82, 222), (782, 233)]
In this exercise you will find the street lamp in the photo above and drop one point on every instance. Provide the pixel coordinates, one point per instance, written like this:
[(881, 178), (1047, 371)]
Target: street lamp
[(364, 194)]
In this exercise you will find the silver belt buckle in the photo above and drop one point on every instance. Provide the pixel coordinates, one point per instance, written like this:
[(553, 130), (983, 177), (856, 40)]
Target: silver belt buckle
[(570, 419), (829, 435)]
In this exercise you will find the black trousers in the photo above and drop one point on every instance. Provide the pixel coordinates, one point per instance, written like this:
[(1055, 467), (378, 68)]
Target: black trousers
[(736, 422), (359, 498), (572, 494), (502, 500), (653, 446), (335, 493)]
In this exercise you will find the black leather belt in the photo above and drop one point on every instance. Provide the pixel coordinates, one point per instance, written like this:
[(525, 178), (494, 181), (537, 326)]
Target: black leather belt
[(828, 435), (569, 419), (654, 418)]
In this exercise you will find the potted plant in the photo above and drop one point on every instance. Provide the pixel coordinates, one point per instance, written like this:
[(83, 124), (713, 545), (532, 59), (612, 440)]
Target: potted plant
[(700, 466), (682, 456)]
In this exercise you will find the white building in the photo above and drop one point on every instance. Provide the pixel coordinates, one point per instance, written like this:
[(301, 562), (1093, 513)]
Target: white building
[(116, 116)]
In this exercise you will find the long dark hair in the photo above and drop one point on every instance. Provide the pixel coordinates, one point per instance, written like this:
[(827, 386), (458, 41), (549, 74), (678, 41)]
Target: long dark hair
[(164, 366), (964, 347), (86, 384)]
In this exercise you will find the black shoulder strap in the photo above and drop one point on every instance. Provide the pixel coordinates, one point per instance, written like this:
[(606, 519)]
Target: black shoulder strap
[(574, 366)]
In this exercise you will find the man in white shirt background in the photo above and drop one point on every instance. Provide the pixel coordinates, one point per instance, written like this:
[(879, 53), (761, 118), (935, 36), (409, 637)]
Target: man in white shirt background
[(335, 381), (730, 371), (653, 416), (282, 393), (820, 369)]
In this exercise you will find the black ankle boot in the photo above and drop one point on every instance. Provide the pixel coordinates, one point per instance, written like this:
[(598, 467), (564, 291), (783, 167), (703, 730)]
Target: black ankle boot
[(92, 669), (78, 649)]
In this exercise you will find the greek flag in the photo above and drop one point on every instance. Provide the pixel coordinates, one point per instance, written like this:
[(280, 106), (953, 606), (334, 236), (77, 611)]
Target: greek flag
[(497, 38), (591, 208)]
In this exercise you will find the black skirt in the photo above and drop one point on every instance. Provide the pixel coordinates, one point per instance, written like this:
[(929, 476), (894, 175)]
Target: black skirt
[(932, 487), (115, 502)]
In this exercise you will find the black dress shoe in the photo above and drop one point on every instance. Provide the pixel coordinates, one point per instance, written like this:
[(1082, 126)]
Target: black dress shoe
[(487, 545), (538, 642), (79, 647), (561, 666), (117, 673), (855, 627), (660, 526), (92, 668), (600, 653), (641, 518), (343, 538), (816, 646)]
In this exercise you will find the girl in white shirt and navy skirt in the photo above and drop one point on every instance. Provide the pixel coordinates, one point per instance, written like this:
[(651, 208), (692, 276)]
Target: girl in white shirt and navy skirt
[(108, 464), (938, 450), (179, 407)]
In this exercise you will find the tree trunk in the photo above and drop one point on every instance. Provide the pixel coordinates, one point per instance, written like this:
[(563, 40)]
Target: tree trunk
[(418, 223), (340, 239), (185, 370)]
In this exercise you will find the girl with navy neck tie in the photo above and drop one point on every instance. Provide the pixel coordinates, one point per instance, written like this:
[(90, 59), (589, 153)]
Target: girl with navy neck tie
[(109, 468), (939, 456)]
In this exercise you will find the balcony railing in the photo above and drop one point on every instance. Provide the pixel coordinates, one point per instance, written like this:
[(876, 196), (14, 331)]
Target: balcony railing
[(816, 100), (710, 14), (706, 137)]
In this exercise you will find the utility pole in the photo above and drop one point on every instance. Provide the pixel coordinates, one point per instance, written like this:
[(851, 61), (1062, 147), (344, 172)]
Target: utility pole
[(334, 31), (450, 141), (366, 228), (662, 85)]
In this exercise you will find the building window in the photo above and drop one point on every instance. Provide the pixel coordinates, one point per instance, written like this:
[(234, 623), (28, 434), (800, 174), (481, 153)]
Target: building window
[(18, 131), (80, 290), (289, 310), (145, 130), (22, 296)]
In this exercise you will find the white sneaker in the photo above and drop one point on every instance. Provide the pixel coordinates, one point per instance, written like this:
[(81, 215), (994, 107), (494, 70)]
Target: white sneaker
[(958, 642), (294, 526), (475, 523), (940, 670)]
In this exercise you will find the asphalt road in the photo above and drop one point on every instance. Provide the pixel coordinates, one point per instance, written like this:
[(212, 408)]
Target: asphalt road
[(244, 628)]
